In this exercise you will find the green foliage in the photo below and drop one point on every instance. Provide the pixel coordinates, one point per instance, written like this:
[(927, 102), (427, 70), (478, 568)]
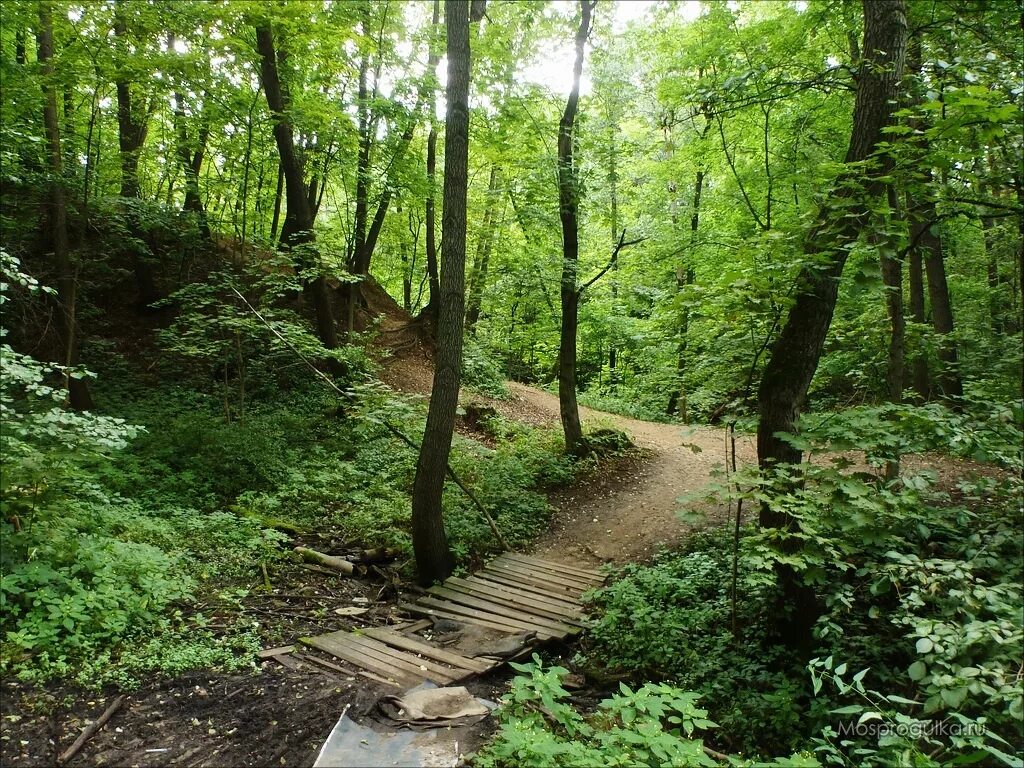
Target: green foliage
[(481, 372), (655, 725)]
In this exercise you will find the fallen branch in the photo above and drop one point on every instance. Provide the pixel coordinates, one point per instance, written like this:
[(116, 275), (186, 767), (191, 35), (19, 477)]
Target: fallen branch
[(338, 564), (388, 425), (91, 729)]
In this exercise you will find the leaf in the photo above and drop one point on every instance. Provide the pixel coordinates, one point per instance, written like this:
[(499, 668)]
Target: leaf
[(925, 645), (917, 671)]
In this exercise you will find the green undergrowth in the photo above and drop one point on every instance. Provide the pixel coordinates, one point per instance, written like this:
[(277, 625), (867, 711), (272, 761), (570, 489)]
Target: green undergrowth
[(122, 535), (915, 658)]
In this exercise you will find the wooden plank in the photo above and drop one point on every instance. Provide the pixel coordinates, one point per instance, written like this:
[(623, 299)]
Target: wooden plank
[(288, 662), (592, 573), (415, 626), (411, 664), (555, 602), (275, 651), (547, 570), (424, 649), (560, 582), (515, 577), (537, 608), (591, 576), (324, 663), (504, 580), (335, 645), (440, 613), (520, 625), (489, 605)]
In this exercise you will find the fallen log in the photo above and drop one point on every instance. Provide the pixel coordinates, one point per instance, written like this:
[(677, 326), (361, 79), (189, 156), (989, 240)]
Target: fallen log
[(338, 564)]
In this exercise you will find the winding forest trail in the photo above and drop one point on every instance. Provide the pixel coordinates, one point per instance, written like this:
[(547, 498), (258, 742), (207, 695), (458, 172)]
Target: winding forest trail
[(626, 510), (627, 513)]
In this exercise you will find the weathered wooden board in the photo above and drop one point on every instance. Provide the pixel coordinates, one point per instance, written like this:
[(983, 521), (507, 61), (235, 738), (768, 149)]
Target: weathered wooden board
[(511, 594), (471, 665)]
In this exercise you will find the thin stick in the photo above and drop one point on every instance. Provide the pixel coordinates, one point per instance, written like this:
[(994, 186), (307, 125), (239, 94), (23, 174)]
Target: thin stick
[(91, 729), (388, 425)]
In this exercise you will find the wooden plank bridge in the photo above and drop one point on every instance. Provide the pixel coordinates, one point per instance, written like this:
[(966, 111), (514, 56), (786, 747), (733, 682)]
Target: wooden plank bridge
[(513, 595)]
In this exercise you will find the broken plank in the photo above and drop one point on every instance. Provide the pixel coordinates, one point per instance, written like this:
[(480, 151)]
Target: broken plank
[(411, 664), (275, 651), (288, 662), (519, 625), (334, 645), (324, 663), (481, 590), (441, 613), (415, 626), (502, 609), (589, 576), (424, 649)]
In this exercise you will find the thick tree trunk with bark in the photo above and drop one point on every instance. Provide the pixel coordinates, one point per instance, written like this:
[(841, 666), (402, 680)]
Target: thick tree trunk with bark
[(568, 212), (434, 560), (842, 218), (79, 397), (298, 223)]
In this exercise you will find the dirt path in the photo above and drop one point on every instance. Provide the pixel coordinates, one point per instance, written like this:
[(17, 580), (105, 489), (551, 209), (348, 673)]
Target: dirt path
[(627, 514)]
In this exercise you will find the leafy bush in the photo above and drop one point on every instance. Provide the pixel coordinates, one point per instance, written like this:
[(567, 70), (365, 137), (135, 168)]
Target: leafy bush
[(480, 371), (654, 725)]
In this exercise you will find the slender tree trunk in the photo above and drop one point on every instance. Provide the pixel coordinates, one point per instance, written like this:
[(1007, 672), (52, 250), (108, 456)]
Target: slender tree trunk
[(132, 123), (278, 194), (795, 354), (191, 163), (79, 397), (921, 378), (892, 279), (434, 560), (947, 378), (568, 211), (298, 223), (485, 241)]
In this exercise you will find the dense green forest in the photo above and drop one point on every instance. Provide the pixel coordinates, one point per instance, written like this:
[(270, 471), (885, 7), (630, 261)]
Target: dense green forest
[(274, 276)]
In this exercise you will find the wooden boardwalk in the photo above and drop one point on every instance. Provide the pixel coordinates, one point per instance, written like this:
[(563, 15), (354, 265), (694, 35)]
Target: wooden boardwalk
[(512, 595)]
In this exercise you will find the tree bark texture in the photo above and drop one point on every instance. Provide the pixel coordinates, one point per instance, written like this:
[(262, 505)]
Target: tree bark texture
[(568, 212), (298, 222), (798, 348), (79, 396), (434, 560), (132, 124)]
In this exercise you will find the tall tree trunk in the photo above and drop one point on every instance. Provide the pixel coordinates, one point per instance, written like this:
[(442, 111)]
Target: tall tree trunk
[(613, 188), (433, 284), (278, 194), (191, 160), (434, 560), (924, 230), (485, 241), (298, 223), (922, 385), (79, 397), (892, 280), (132, 124), (795, 354), (568, 212)]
